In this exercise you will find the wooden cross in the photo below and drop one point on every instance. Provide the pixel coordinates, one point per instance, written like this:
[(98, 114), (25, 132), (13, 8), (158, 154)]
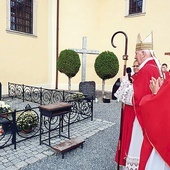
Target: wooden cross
[(84, 51)]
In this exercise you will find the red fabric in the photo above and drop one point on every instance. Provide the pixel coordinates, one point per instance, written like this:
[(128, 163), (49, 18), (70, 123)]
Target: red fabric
[(146, 150), (167, 75), (128, 118), (141, 88), (141, 84), (156, 117)]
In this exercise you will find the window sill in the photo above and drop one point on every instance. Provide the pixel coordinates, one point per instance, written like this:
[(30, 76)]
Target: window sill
[(20, 33), (135, 15)]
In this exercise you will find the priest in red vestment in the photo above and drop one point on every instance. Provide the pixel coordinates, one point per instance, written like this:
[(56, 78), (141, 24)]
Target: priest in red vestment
[(127, 123), (165, 72)]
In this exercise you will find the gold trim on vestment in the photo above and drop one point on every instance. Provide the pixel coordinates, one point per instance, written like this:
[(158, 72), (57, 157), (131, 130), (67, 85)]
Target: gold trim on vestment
[(144, 46)]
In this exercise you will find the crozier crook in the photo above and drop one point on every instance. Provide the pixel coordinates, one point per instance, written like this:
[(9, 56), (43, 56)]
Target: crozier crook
[(125, 56)]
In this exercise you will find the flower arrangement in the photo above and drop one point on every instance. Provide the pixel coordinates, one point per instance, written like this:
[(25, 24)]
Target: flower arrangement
[(27, 120), (4, 108)]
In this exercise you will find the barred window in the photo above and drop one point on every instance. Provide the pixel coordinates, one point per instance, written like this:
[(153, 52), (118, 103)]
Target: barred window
[(135, 6), (21, 16)]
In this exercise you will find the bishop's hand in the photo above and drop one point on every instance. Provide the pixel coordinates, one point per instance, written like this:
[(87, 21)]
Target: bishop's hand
[(155, 84)]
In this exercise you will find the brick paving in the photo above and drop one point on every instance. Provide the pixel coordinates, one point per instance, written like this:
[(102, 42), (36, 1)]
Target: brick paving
[(30, 151)]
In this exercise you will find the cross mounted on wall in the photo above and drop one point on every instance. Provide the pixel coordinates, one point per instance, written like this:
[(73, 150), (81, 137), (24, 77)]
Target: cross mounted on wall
[(84, 51)]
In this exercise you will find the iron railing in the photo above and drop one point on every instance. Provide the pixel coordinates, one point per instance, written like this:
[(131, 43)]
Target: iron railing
[(14, 130)]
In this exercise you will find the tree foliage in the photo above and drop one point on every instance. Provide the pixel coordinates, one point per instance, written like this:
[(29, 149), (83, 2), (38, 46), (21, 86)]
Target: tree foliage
[(68, 63), (106, 65)]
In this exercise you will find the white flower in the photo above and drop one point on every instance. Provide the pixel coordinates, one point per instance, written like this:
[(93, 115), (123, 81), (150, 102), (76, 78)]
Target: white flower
[(4, 105)]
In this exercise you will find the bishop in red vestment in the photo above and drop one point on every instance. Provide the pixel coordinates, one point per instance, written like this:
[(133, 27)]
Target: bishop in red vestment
[(141, 88), (138, 157)]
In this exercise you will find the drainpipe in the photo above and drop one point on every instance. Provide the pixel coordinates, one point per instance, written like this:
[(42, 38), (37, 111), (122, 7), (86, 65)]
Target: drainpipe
[(57, 40), (0, 90)]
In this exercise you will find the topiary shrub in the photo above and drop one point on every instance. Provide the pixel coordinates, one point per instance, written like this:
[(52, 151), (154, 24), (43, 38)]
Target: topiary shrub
[(106, 66), (68, 63)]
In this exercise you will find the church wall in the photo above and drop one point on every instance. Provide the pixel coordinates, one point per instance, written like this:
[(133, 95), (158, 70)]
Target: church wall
[(32, 59), (78, 20), (99, 20), (24, 58)]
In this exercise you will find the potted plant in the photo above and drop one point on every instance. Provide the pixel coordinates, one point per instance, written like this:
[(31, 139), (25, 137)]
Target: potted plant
[(4, 109), (5, 119), (27, 121)]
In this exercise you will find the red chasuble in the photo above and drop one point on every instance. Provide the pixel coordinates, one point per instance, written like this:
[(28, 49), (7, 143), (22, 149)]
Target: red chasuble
[(127, 124), (156, 118), (141, 88), (141, 85)]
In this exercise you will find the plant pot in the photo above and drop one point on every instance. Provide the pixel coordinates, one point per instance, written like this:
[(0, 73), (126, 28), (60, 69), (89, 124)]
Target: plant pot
[(6, 124), (4, 115), (27, 131), (106, 100)]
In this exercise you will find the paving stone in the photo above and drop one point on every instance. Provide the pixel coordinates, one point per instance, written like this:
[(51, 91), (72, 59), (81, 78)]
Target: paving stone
[(40, 156), (31, 160), (15, 161), (7, 164), (24, 157), (3, 153), (11, 157), (21, 164), (2, 167), (11, 168), (48, 152), (4, 160)]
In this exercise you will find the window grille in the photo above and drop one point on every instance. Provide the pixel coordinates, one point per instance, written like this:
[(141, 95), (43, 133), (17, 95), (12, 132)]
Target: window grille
[(21, 16), (135, 6)]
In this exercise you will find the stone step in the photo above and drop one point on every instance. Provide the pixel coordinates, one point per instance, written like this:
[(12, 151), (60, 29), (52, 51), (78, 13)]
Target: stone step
[(68, 145)]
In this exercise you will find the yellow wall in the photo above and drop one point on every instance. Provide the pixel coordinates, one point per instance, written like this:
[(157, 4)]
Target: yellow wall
[(24, 59), (99, 20), (32, 59)]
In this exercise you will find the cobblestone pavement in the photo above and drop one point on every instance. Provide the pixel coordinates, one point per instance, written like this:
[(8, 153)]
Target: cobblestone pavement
[(30, 155)]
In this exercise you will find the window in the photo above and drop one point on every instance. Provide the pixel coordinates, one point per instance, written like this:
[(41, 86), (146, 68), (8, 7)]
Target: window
[(135, 7), (22, 16)]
